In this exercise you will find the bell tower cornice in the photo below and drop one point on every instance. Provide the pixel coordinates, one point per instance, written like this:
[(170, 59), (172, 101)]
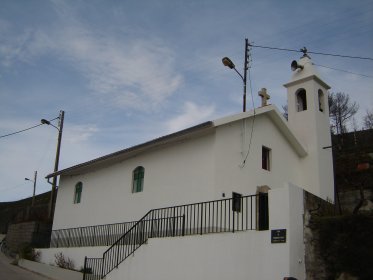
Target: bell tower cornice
[(306, 79), (305, 70)]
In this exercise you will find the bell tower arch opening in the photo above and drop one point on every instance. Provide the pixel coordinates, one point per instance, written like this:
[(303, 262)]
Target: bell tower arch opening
[(321, 100), (301, 98)]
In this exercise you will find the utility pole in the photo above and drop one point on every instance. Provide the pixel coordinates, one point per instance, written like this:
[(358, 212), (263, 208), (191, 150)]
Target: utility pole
[(245, 68), (33, 194), (34, 181), (54, 183)]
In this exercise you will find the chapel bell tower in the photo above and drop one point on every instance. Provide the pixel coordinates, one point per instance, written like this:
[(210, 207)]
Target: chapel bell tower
[(308, 118)]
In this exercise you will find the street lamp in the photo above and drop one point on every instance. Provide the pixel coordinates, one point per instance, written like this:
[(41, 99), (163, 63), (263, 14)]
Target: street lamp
[(34, 181), (54, 183), (227, 62), (44, 121)]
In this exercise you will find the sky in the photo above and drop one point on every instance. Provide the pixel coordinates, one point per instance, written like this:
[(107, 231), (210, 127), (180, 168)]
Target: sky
[(127, 71)]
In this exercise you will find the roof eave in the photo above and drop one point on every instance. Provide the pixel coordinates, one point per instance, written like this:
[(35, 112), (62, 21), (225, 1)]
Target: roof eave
[(202, 128), (134, 150), (281, 123), (276, 118)]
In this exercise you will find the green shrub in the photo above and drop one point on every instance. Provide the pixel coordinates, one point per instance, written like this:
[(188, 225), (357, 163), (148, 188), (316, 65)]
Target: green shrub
[(27, 252), (62, 262)]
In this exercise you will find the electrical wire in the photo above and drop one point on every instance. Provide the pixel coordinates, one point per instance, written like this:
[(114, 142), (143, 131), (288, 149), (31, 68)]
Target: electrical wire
[(253, 121), (273, 48), (311, 52), (23, 130), (344, 56), (336, 69)]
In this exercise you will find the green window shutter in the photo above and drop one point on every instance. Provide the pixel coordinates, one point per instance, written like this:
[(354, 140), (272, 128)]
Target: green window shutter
[(78, 197), (78, 192), (138, 179)]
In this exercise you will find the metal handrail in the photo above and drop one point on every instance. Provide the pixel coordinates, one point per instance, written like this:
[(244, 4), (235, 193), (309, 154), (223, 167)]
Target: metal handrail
[(97, 235), (218, 216)]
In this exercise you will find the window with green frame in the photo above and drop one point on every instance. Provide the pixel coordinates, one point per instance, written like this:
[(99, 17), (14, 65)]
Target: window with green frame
[(138, 179), (78, 192)]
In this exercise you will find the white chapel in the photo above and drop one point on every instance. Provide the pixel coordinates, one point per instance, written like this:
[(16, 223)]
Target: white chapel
[(220, 200)]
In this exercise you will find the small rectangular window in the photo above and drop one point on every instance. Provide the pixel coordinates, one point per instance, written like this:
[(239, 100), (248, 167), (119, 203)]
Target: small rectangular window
[(78, 192), (236, 202), (266, 157)]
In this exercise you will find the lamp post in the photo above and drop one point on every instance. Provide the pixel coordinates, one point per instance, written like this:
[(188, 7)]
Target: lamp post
[(33, 194), (54, 183), (227, 62)]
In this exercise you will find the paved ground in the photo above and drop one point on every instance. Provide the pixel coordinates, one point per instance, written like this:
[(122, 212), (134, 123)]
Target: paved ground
[(13, 272)]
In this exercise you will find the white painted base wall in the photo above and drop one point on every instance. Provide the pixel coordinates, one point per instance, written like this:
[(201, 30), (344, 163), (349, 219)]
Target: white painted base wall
[(76, 254), (53, 272), (217, 256), (240, 255)]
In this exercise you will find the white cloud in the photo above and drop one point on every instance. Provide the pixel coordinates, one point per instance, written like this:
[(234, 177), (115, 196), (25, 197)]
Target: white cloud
[(125, 72), (79, 134), (192, 115), (139, 74)]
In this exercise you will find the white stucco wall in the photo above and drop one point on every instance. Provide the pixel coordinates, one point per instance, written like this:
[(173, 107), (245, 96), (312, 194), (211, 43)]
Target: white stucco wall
[(177, 175), (52, 272), (240, 255), (312, 127), (77, 254), (286, 210), (195, 170), (231, 148)]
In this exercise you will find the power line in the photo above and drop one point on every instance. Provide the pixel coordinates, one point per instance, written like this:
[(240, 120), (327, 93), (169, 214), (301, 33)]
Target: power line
[(344, 56), (274, 48), (336, 69), (253, 120), (310, 52), (23, 130), (20, 131)]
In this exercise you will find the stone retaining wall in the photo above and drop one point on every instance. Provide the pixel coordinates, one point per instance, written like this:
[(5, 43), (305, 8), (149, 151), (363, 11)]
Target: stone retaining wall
[(35, 233)]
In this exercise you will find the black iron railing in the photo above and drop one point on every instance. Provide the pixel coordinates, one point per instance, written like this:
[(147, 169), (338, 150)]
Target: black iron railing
[(99, 235), (227, 215)]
